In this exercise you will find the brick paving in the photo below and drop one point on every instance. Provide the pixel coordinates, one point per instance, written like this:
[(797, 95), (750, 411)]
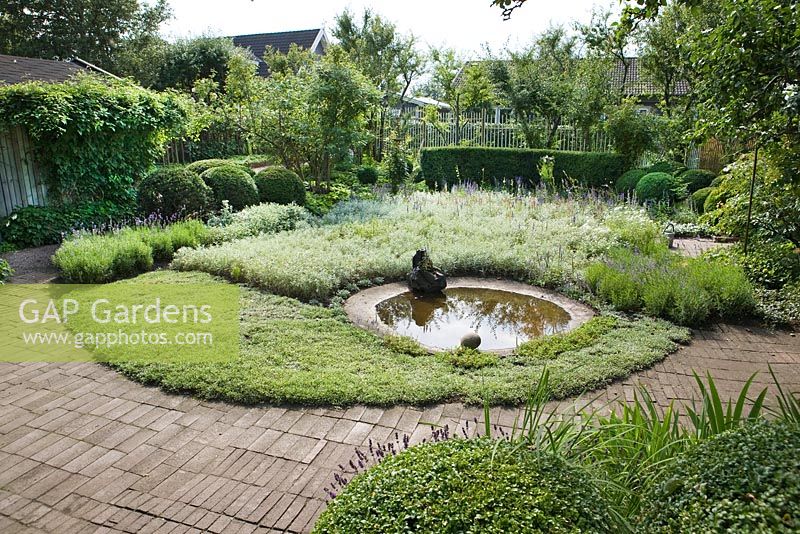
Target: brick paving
[(83, 449), (695, 246)]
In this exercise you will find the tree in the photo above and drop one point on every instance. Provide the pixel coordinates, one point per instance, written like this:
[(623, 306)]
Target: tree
[(537, 84), (188, 60), (94, 30), (388, 58), (605, 40), (664, 54), (310, 112), (631, 133), (445, 65)]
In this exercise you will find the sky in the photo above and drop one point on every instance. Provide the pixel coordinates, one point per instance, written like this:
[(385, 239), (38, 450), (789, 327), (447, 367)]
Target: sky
[(462, 24)]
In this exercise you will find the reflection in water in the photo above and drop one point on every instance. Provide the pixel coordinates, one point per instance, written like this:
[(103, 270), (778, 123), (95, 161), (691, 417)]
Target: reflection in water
[(503, 319)]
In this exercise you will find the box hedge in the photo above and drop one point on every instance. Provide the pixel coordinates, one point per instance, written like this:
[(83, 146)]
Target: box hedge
[(492, 167)]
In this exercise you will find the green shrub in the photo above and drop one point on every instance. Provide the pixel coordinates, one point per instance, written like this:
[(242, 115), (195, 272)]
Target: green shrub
[(492, 167), (367, 174), (257, 220), (743, 480), (715, 199), (172, 191), (201, 166), (34, 226), (699, 198), (549, 347), (660, 186), (5, 271), (696, 179), (95, 259), (467, 358), (670, 167), (627, 182), (97, 135), (231, 183), (280, 185), (321, 203), (476, 485)]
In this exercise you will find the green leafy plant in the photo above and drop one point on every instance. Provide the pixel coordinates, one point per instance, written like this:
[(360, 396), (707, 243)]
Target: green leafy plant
[(367, 174), (660, 186), (549, 347), (492, 167), (744, 480), (699, 198), (627, 182), (174, 191), (696, 179), (231, 183), (256, 220), (34, 226), (96, 136), (670, 167), (467, 358), (280, 185), (95, 259), (201, 166), (468, 485), (5, 271), (714, 417)]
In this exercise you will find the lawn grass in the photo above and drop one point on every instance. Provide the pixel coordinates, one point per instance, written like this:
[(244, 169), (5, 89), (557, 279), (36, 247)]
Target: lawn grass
[(299, 353)]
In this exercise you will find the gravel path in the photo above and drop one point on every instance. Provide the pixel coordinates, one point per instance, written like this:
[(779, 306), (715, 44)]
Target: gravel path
[(32, 265)]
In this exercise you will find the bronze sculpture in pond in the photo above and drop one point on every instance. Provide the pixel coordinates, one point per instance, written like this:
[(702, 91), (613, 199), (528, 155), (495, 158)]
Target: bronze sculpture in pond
[(424, 277)]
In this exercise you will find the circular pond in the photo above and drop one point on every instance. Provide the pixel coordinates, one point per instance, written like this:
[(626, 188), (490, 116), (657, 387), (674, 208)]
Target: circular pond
[(503, 313)]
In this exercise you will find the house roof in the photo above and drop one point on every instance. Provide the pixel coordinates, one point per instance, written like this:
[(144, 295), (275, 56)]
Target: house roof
[(423, 101), (636, 83), (17, 69), (280, 41)]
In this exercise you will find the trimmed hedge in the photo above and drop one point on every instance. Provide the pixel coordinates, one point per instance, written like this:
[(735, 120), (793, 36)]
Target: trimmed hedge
[(231, 183), (280, 185), (744, 480), (475, 485), (628, 181), (367, 174), (696, 179), (174, 190), (657, 186), (491, 167)]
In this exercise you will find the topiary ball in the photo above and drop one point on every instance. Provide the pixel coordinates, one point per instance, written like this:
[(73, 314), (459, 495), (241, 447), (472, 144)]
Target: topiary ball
[(699, 198), (231, 183), (174, 191), (743, 480), (476, 485), (280, 185), (696, 179), (669, 167), (203, 165), (627, 182), (367, 174), (660, 186)]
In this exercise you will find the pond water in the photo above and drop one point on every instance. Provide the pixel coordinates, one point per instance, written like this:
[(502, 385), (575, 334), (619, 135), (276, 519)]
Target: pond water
[(503, 319)]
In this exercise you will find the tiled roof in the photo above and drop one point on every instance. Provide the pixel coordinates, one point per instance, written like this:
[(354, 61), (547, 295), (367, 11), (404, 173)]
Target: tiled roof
[(281, 41), (16, 69), (636, 84)]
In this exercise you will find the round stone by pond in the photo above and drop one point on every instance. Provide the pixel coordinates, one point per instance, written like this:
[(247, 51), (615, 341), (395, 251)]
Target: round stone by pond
[(502, 313)]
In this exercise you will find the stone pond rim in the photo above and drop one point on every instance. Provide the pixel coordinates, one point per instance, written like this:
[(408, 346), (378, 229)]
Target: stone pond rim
[(361, 307)]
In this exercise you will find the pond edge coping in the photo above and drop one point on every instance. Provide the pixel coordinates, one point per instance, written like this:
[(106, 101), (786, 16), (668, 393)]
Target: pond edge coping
[(360, 307)]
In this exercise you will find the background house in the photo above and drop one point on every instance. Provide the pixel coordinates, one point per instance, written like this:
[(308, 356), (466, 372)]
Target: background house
[(314, 40)]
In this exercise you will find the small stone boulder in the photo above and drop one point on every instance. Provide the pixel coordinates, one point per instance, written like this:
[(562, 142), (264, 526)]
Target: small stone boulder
[(471, 340)]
